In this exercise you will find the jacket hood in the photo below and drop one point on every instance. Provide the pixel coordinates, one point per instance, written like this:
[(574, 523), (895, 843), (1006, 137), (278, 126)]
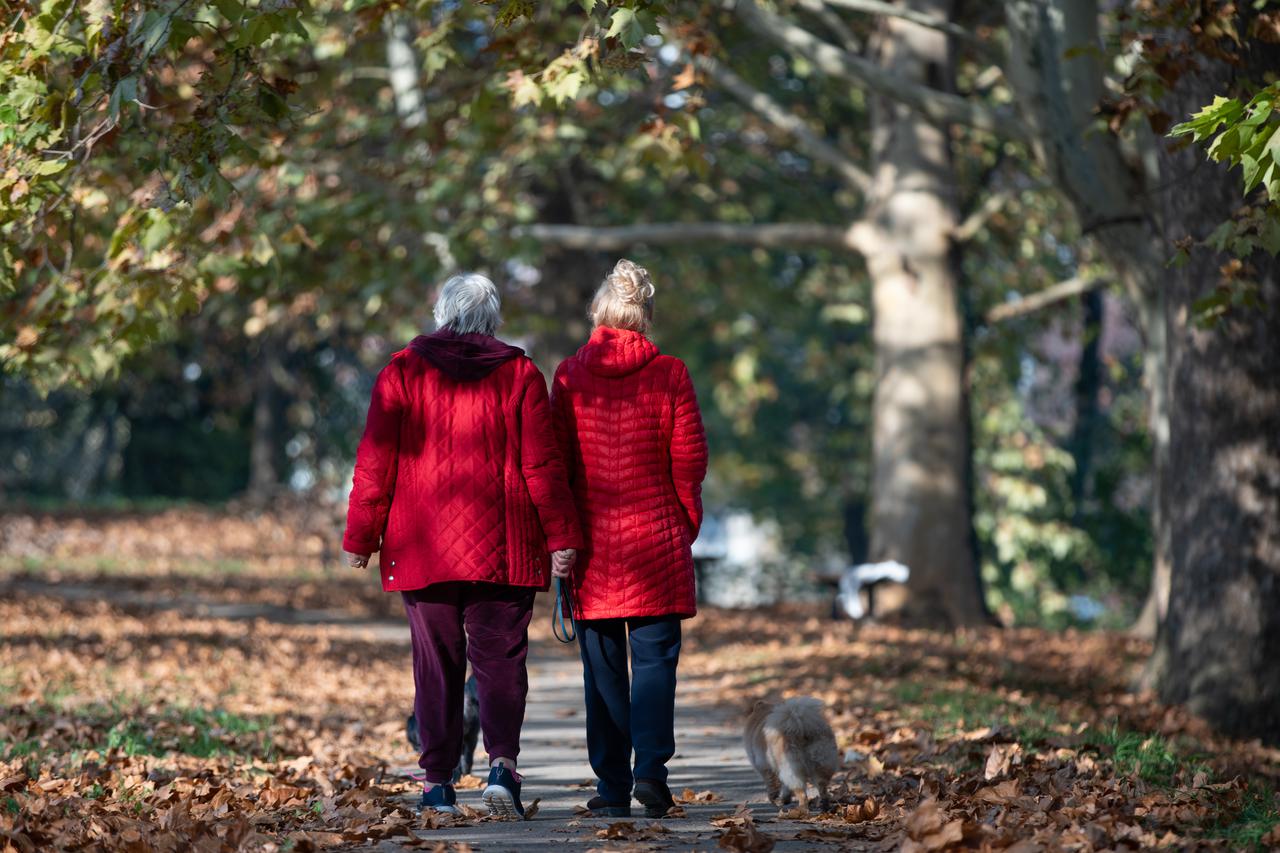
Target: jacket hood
[(464, 357), (616, 352)]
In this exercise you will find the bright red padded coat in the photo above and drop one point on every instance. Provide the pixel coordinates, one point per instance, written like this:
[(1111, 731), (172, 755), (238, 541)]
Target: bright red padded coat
[(458, 476), (628, 422)]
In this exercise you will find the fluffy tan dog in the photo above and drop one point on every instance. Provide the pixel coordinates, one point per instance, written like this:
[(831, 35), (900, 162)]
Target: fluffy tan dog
[(791, 746)]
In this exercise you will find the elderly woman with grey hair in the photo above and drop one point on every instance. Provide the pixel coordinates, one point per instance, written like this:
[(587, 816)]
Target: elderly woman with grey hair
[(459, 485)]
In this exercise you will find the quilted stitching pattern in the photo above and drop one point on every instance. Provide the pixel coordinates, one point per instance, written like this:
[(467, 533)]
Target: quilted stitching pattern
[(628, 424), (460, 479)]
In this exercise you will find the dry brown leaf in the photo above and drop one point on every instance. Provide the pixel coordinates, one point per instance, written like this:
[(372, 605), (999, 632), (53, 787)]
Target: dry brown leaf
[(746, 838), (1001, 793), (1000, 758), (626, 830), (685, 78)]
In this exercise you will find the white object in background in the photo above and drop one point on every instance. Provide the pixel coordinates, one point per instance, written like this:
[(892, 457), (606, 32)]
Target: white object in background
[(856, 577)]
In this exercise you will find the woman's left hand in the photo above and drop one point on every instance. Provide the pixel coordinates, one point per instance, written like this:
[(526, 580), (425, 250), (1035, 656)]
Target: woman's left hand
[(562, 562), (356, 561)]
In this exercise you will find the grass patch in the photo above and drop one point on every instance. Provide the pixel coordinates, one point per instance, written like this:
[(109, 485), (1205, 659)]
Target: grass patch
[(951, 711), (1150, 757), (197, 732), (200, 733), (81, 566), (9, 681), (1259, 815)]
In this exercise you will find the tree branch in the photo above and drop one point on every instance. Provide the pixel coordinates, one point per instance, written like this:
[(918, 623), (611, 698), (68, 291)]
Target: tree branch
[(785, 120), (879, 7), (1051, 295), (777, 235), (937, 107), (977, 220), (833, 22)]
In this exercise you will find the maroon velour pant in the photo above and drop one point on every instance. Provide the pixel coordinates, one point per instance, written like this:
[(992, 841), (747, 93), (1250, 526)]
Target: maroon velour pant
[(454, 622)]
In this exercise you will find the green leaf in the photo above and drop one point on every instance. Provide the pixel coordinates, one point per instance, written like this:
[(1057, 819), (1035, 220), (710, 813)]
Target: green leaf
[(158, 232), (50, 167), (1269, 235), (565, 86), (271, 103), (154, 31), (1252, 172), (125, 91), (1208, 120), (1259, 114), (626, 27), (514, 10), (1227, 146), (587, 5), (230, 9)]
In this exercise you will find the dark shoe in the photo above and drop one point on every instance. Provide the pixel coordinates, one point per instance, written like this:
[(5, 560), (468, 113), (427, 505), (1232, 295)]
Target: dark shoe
[(502, 795), (655, 796), (441, 798), (602, 807)]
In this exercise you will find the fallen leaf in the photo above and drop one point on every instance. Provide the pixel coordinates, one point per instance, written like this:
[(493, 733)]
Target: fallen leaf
[(746, 838), (1000, 758)]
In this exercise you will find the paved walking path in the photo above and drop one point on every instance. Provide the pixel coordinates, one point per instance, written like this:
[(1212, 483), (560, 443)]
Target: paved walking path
[(709, 757), (709, 754)]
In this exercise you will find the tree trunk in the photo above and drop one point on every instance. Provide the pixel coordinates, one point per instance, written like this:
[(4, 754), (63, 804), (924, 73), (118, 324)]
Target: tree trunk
[(919, 510), (402, 70), (1219, 648), (264, 443), (1088, 383), (558, 303), (1057, 77)]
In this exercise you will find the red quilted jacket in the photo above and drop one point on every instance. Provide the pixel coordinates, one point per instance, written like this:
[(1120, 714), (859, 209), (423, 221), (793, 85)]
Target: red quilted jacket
[(628, 422), (458, 476)]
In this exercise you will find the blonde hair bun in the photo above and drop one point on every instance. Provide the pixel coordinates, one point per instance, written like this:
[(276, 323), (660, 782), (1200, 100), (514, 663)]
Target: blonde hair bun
[(630, 283)]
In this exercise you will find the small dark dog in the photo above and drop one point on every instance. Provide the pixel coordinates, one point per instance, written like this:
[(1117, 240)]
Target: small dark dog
[(470, 730)]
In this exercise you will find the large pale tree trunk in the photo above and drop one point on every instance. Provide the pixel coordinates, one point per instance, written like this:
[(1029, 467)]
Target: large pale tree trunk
[(1219, 648), (919, 514), (1057, 78)]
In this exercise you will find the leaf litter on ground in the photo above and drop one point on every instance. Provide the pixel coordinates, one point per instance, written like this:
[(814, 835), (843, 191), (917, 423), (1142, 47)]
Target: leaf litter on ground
[(128, 719)]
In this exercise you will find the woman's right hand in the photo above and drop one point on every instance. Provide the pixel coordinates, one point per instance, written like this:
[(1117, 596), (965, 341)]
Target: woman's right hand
[(562, 562)]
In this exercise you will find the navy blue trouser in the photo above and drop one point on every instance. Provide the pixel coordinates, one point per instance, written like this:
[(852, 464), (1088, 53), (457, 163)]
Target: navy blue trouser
[(636, 713)]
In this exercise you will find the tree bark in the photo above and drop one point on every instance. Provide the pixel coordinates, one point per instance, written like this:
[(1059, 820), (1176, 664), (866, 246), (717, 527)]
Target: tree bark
[(1055, 70), (919, 510), (570, 273), (402, 71), (1088, 384), (265, 469), (1218, 651)]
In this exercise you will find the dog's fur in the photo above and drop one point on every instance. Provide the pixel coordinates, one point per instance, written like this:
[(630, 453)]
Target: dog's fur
[(791, 746)]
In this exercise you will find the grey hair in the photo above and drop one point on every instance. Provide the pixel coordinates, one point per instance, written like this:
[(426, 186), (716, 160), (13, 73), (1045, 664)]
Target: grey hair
[(469, 303)]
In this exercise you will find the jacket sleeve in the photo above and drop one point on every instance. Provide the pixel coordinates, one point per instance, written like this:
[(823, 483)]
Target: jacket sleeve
[(377, 458), (688, 449), (544, 469)]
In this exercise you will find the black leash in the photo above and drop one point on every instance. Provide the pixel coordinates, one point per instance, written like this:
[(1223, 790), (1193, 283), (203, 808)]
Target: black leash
[(564, 603)]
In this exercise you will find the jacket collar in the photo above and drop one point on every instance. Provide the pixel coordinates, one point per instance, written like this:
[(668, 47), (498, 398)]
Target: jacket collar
[(616, 352), (464, 357)]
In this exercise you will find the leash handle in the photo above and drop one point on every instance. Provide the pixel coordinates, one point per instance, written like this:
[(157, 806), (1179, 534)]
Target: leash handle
[(564, 601)]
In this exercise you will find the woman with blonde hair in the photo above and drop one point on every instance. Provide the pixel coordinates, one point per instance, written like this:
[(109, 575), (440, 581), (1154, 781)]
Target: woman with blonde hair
[(628, 424)]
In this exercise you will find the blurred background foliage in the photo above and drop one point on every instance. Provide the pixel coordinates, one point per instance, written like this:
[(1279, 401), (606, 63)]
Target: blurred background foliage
[(198, 294)]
